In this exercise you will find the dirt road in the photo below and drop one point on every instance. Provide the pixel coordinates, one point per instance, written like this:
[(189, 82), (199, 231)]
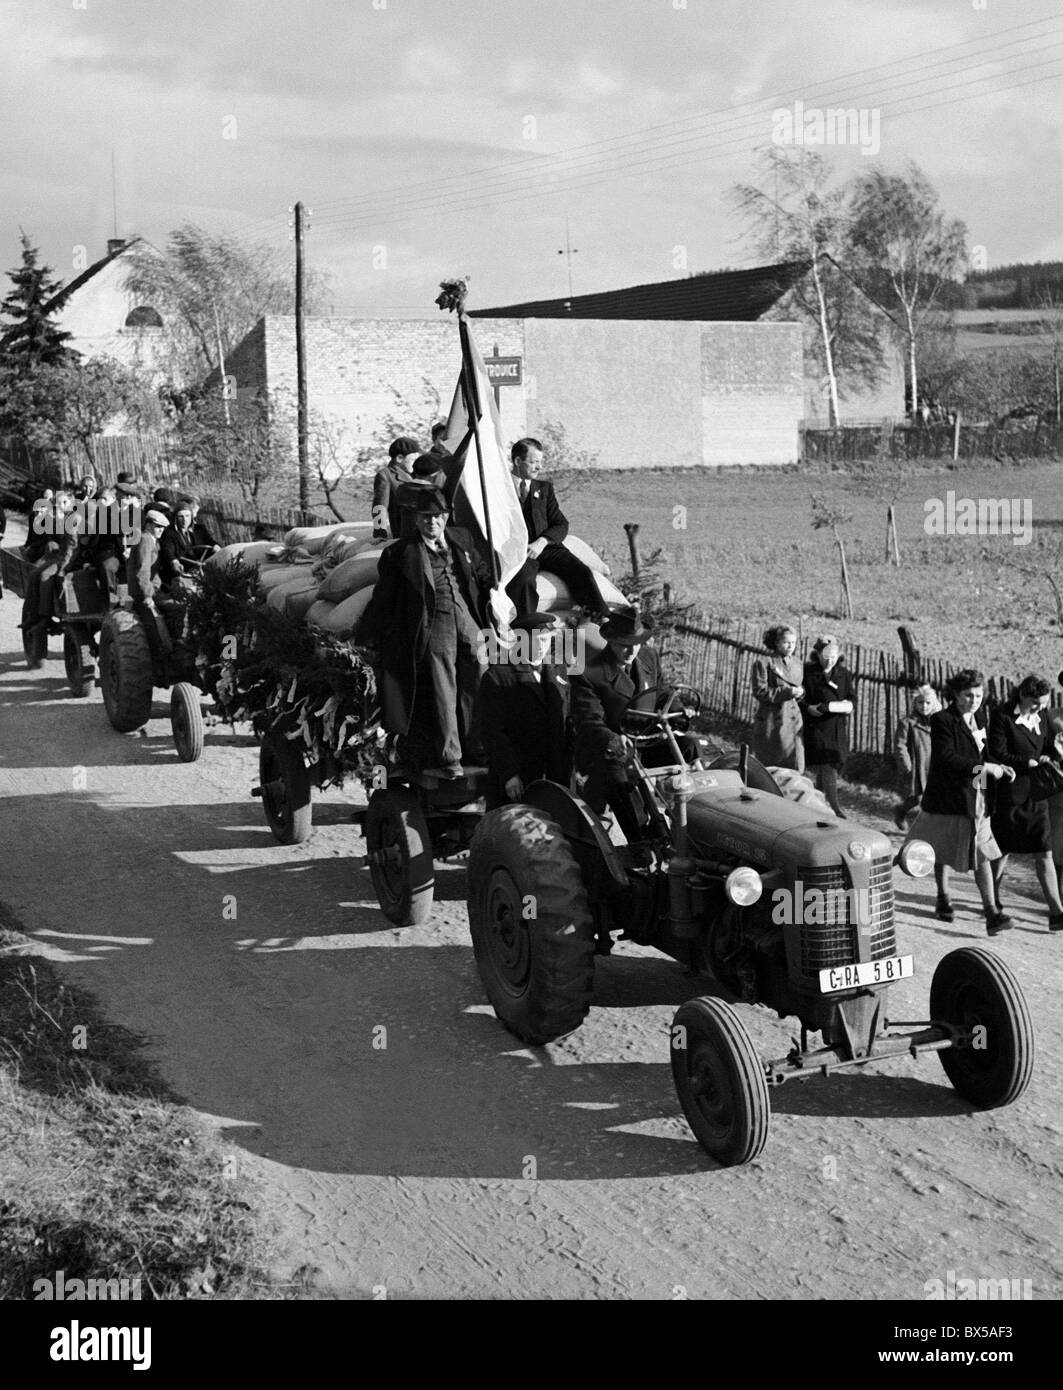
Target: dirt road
[(438, 1158)]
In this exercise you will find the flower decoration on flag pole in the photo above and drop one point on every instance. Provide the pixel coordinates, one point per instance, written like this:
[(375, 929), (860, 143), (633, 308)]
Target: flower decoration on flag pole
[(455, 292)]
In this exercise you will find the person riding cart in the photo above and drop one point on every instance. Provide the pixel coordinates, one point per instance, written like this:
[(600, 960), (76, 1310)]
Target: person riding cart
[(523, 714), (424, 624)]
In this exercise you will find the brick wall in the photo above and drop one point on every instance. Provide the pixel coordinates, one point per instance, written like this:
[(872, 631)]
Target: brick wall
[(643, 394)]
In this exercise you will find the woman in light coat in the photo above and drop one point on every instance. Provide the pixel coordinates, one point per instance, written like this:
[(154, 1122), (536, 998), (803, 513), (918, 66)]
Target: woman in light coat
[(777, 688)]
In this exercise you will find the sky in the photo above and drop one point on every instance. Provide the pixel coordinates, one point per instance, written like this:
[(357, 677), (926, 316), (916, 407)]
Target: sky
[(433, 138)]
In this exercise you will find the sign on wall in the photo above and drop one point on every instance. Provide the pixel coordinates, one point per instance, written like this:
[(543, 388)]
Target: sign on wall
[(504, 371)]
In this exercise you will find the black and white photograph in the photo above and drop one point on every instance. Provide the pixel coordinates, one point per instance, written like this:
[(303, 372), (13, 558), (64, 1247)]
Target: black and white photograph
[(531, 667)]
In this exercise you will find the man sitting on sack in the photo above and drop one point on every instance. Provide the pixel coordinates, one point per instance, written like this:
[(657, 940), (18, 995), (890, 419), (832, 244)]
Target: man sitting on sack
[(423, 627), (547, 528)]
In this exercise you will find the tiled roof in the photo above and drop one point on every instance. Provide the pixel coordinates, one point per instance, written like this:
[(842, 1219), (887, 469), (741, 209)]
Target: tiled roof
[(725, 295)]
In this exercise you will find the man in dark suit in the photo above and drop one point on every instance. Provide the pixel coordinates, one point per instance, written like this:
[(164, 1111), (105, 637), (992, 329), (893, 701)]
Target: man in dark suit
[(523, 713), (625, 675), (547, 529), (425, 620)]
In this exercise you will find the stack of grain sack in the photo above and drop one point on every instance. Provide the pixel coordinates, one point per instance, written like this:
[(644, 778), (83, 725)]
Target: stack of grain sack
[(324, 575)]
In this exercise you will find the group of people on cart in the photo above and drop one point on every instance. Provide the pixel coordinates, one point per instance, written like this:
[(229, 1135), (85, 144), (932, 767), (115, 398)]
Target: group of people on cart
[(445, 703)]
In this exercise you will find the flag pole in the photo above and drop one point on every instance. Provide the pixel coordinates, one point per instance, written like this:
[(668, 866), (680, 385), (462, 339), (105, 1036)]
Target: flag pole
[(472, 404)]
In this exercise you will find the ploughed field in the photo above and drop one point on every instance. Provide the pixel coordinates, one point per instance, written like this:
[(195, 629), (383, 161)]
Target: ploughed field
[(402, 1140), (748, 550)]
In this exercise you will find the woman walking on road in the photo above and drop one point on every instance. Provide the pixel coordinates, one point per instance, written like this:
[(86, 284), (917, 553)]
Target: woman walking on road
[(954, 818), (777, 689), (828, 705), (1019, 738)]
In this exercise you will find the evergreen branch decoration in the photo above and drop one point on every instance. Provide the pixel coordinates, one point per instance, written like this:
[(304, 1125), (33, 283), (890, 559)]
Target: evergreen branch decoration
[(454, 294)]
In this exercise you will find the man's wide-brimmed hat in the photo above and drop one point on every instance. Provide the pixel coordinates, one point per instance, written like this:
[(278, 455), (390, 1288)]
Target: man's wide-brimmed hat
[(626, 628), (422, 497)]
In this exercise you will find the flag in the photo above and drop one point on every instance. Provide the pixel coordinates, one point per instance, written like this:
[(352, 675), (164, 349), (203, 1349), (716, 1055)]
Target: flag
[(485, 497)]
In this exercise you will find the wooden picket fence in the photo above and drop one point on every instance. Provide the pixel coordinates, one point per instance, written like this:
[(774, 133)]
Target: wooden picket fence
[(229, 521), (717, 655), (864, 443)]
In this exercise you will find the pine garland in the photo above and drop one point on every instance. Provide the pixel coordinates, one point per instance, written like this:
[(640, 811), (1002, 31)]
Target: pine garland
[(264, 667)]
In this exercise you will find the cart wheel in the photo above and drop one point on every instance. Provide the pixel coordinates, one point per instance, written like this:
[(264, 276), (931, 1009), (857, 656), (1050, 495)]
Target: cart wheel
[(80, 667), (34, 644), (285, 783), (720, 1081), (400, 856), (186, 721), (974, 989)]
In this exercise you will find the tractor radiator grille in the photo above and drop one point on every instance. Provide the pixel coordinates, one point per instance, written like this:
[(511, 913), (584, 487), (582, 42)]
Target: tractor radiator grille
[(833, 941)]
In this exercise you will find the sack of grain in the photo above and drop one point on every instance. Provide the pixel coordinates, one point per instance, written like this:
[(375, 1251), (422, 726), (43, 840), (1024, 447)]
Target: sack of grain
[(582, 551), (298, 602), (343, 620), (313, 538), (278, 595), (318, 613), (350, 576), (269, 576), (551, 592), (250, 552)]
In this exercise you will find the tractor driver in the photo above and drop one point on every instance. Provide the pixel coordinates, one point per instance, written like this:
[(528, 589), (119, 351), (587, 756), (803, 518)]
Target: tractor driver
[(143, 580), (626, 674)]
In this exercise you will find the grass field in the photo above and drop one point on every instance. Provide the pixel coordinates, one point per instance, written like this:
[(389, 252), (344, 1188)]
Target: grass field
[(748, 550)]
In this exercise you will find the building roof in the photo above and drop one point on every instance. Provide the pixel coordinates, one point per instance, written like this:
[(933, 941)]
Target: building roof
[(58, 300), (725, 295)]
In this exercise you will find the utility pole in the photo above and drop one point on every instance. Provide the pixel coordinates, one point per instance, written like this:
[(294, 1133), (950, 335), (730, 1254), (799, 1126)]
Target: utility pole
[(568, 253), (300, 365)]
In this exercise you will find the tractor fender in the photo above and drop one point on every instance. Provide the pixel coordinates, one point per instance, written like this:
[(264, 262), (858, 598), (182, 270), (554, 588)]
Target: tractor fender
[(582, 828)]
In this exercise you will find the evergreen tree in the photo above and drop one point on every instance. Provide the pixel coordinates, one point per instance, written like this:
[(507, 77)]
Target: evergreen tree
[(30, 338)]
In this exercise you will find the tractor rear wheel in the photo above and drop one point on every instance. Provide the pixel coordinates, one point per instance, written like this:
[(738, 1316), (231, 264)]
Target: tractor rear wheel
[(126, 674), (286, 790), (186, 721), (975, 990), (401, 862), (533, 932), (720, 1081), (80, 666)]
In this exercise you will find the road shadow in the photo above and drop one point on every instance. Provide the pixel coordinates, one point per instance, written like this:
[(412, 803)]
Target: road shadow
[(875, 1097)]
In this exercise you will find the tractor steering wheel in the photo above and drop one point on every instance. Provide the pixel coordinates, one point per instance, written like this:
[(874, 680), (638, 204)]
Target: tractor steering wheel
[(672, 704)]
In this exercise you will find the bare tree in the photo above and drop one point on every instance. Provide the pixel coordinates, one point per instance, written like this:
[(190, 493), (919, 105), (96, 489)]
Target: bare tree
[(904, 251)]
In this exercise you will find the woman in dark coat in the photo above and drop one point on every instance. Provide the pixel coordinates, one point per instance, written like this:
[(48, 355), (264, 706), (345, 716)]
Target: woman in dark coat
[(1019, 738), (777, 689), (828, 705), (959, 796)]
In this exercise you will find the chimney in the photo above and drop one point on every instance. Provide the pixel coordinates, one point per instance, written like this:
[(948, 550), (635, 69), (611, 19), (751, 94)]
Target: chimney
[(115, 244)]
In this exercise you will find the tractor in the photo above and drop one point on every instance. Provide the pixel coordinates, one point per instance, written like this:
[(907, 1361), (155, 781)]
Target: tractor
[(774, 897)]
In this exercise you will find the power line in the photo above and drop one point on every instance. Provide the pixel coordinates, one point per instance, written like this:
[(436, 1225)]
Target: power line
[(424, 195), (568, 181)]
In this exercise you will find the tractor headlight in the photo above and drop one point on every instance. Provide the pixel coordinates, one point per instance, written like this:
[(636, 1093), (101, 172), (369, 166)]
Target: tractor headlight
[(743, 886), (916, 858)]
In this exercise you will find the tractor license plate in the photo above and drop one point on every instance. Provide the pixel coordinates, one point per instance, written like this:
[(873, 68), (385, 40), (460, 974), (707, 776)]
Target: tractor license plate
[(868, 972)]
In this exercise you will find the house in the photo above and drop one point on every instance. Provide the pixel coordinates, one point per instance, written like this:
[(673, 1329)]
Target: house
[(104, 319)]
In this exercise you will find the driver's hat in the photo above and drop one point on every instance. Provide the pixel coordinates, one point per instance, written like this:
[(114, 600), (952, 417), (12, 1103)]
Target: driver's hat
[(626, 628), (530, 622)]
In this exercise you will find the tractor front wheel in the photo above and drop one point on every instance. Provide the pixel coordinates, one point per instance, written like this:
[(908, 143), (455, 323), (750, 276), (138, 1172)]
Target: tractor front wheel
[(974, 990), (186, 722), (720, 1081)]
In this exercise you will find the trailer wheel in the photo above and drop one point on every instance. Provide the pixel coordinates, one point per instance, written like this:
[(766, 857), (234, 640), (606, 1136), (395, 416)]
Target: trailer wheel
[(286, 793), (186, 722), (533, 932), (720, 1081), (126, 674), (401, 862), (974, 989)]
